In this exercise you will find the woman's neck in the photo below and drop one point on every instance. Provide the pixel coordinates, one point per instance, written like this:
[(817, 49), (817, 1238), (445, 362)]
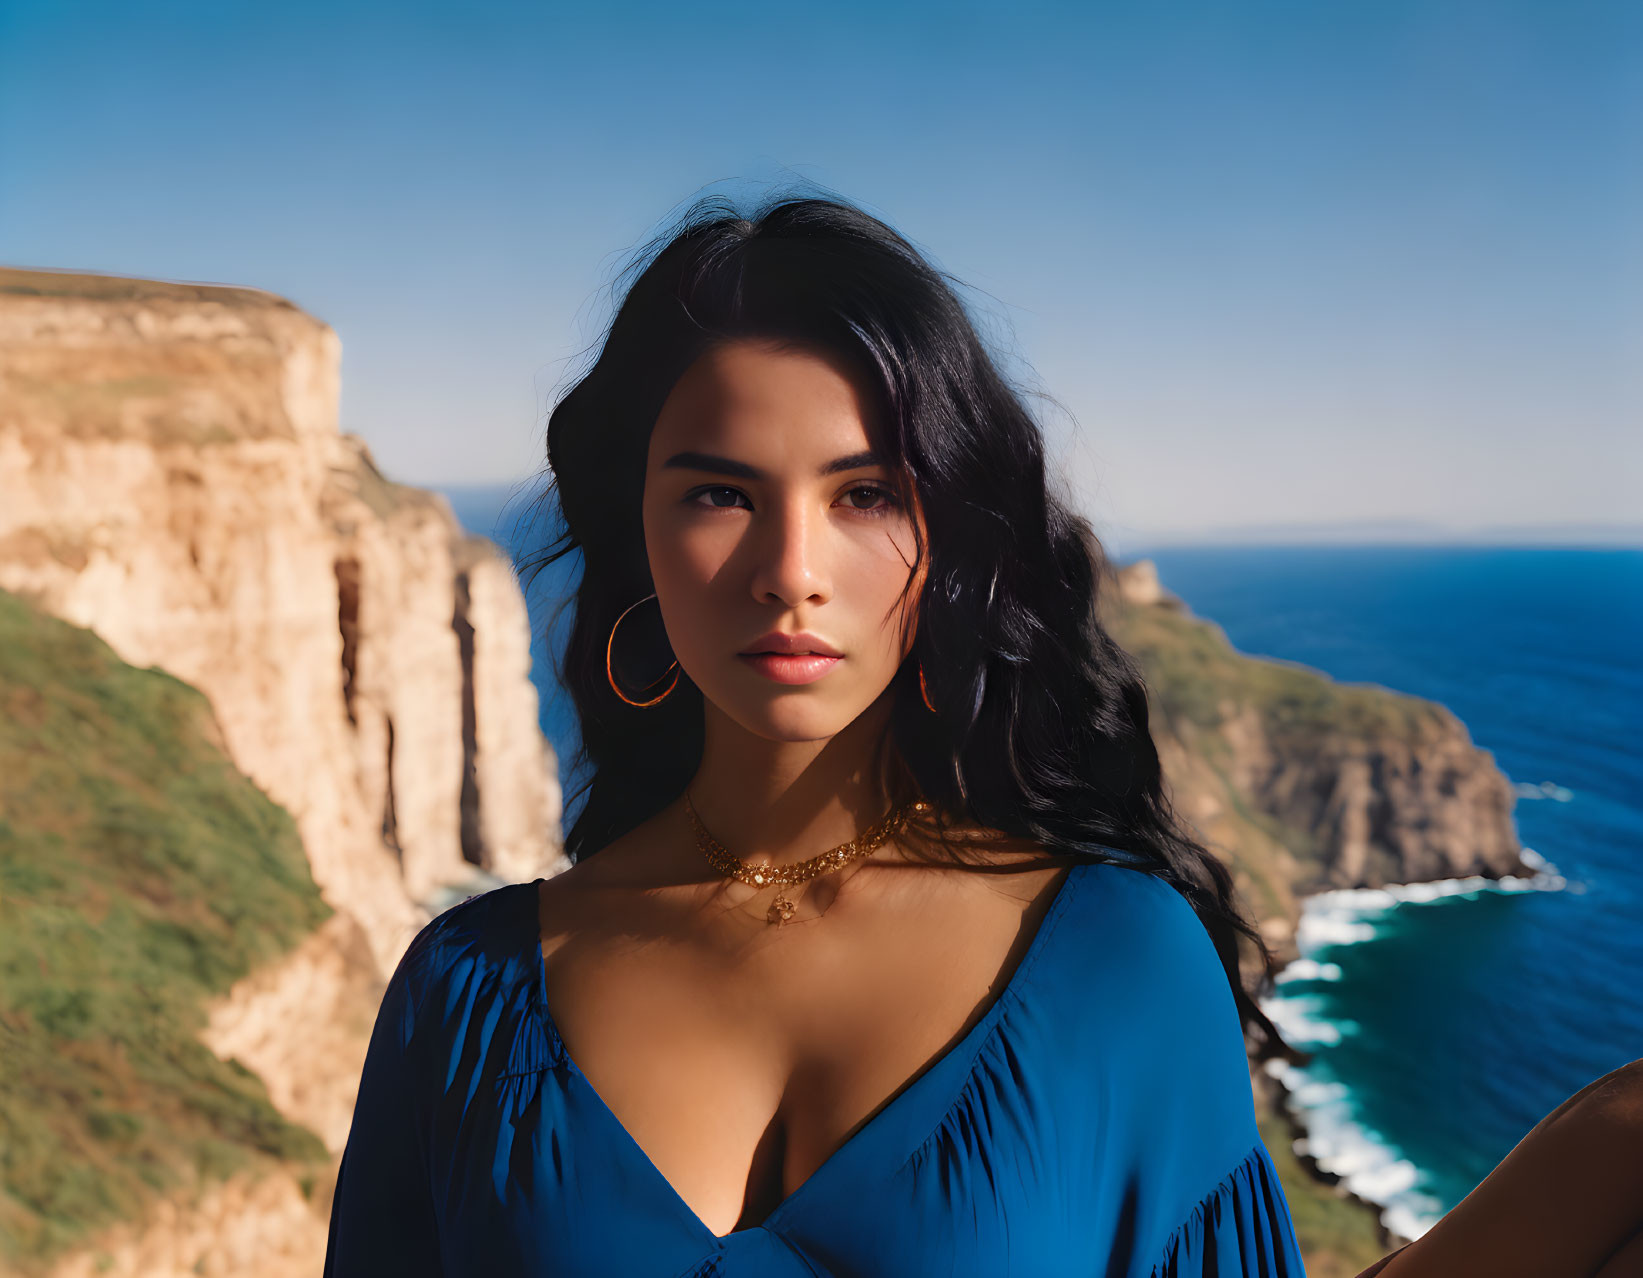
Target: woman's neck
[(783, 802)]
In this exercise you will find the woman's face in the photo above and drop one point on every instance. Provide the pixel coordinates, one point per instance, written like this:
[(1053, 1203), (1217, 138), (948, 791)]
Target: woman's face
[(763, 511)]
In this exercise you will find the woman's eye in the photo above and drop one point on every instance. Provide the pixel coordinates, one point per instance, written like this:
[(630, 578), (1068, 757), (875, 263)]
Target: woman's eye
[(702, 492), (887, 497)]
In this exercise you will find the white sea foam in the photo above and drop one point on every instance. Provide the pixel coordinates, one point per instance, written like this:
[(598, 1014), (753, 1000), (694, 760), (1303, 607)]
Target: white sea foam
[(1295, 1019), (1367, 1163), (1544, 790), (1336, 926), (1308, 970)]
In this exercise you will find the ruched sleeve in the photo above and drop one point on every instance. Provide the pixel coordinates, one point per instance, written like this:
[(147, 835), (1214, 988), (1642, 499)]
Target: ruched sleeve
[(1241, 1229), (382, 1216)]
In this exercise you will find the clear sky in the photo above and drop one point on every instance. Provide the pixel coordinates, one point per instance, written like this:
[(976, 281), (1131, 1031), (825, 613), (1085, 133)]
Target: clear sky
[(1354, 262)]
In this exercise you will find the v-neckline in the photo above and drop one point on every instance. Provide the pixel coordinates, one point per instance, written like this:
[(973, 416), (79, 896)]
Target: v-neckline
[(967, 1049)]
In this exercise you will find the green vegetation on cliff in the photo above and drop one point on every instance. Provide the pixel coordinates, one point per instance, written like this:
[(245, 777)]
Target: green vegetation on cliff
[(140, 875), (1300, 725)]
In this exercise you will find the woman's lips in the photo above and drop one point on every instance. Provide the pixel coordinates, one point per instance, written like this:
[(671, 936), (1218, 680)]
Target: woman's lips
[(784, 668)]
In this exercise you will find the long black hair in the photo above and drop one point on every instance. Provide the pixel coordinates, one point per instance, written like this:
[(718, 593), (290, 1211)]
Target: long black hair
[(1040, 732)]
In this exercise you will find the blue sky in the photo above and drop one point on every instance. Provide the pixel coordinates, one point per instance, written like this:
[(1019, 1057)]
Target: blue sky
[(1348, 263)]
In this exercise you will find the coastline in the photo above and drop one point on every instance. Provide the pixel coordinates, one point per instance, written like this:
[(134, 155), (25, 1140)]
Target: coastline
[(1319, 1111)]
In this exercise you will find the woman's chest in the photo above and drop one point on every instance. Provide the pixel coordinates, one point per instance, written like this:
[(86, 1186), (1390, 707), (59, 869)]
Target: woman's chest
[(740, 1068), (981, 1176), (967, 1153)]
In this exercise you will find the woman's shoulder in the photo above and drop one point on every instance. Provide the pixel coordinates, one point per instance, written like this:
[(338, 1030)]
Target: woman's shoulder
[(1123, 909), (1149, 1004), (1142, 948), (481, 925), (1140, 908), (464, 961)]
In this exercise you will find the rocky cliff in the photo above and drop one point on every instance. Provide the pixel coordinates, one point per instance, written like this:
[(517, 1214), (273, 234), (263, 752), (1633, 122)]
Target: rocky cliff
[(1302, 783), (172, 477)]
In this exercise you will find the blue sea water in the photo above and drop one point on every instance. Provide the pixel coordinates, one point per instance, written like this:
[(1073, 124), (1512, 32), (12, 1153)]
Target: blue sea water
[(1446, 1028), (1448, 1020)]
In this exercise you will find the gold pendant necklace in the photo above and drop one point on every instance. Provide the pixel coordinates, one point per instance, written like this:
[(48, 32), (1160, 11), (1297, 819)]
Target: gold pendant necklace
[(764, 874)]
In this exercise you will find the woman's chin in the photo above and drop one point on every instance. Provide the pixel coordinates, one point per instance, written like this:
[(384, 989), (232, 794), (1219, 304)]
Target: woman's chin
[(793, 727), (788, 717)]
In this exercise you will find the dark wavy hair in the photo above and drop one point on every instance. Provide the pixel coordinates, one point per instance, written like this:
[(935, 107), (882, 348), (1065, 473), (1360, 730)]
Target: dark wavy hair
[(1040, 733)]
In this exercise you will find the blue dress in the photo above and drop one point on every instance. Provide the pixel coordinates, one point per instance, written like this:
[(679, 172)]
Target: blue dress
[(1098, 1120)]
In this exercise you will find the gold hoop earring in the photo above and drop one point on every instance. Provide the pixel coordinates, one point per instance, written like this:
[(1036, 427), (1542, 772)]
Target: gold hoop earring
[(923, 691), (610, 675)]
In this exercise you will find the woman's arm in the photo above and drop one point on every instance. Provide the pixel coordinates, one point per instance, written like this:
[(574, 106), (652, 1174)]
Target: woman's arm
[(1567, 1202)]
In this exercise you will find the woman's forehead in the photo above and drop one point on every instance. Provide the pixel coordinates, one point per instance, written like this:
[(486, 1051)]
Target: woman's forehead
[(794, 409)]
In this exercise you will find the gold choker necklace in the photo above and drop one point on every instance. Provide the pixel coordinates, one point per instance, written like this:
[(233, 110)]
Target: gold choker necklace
[(765, 874)]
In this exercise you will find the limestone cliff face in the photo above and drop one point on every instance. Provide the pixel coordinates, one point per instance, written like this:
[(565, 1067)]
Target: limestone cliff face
[(1308, 784), (172, 476)]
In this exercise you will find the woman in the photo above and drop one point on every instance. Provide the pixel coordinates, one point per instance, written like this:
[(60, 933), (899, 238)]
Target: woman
[(882, 952)]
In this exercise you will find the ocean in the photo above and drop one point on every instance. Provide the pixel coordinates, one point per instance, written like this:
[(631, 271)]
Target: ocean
[(1447, 1019)]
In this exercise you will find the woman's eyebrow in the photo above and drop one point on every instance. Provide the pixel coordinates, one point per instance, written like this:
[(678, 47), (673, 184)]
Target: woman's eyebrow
[(741, 470)]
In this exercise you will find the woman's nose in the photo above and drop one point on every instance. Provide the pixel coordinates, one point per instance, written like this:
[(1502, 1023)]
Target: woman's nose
[(789, 550)]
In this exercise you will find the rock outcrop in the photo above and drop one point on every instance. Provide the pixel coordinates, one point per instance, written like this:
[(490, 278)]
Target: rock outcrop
[(1303, 783), (172, 477)]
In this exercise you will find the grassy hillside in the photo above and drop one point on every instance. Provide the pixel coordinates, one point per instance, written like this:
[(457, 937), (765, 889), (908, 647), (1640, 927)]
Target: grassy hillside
[(140, 874)]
